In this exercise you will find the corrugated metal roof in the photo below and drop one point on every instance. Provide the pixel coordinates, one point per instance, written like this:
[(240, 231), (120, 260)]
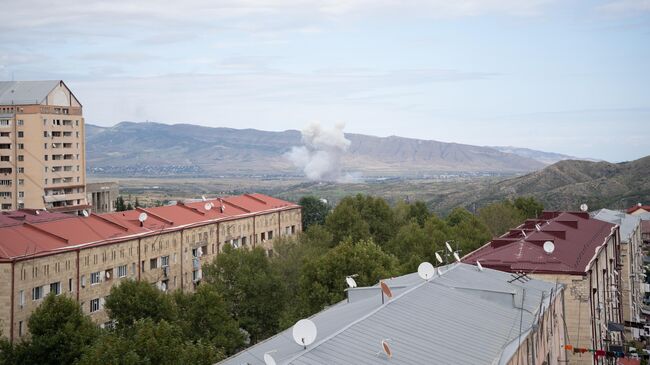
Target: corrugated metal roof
[(26, 234), (25, 92), (576, 237), (628, 223), (464, 316)]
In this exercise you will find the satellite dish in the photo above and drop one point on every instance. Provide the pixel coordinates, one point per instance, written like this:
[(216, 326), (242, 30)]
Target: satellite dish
[(456, 257), (351, 282), (268, 359), (386, 289), (426, 270), (523, 233), (438, 258), (304, 332), (83, 212), (549, 247), (386, 348), (108, 275), (37, 212), (207, 206), (203, 198), (480, 267), (584, 207), (449, 247), (142, 217), (538, 227), (324, 201)]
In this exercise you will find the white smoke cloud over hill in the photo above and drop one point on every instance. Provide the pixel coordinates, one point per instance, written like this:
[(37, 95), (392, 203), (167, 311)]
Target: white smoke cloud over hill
[(320, 155)]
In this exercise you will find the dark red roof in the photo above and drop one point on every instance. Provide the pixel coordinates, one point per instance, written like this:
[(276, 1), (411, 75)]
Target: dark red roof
[(637, 207), (25, 233), (645, 226), (576, 237)]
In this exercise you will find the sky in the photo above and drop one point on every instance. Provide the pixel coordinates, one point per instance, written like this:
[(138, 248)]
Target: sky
[(566, 76)]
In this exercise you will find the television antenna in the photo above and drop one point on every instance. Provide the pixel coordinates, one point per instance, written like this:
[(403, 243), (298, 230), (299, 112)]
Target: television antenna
[(549, 247), (584, 207), (304, 332), (350, 281), (478, 264), (83, 212), (426, 270), (268, 359), (142, 218)]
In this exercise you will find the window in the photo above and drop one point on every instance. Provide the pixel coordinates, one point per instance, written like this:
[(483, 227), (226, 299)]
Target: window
[(21, 298), (21, 158), (21, 181), (293, 229), (121, 271), (21, 146), (21, 134), (108, 274), (94, 305), (45, 157), (196, 275), (83, 281), (4, 158), (94, 278), (20, 328), (21, 194), (20, 122), (55, 288), (263, 236), (270, 235), (70, 285), (21, 170), (153, 263), (164, 261), (37, 293), (243, 241)]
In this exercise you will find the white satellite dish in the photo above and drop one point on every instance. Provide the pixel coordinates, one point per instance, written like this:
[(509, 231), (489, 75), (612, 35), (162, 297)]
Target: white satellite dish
[(142, 217), (438, 258), (523, 233), (449, 247), (108, 275), (549, 247), (83, 212), (538, 227), (456, 257), (351, 282), (584, 207), (426, 270), (480, 267), (324, 201), (268, 359), (304, 332), (207, 206)]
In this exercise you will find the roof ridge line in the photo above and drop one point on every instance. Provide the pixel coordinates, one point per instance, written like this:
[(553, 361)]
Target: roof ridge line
[(157, 216), (32, 226)]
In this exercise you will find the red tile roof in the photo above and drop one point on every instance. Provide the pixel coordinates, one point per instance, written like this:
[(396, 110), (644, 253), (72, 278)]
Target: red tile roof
[(27, 234), (637, 207), (576, 236)]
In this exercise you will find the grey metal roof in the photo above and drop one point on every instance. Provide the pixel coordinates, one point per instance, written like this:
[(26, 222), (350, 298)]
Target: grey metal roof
[(628, 223), (25, 92), (462, 316)]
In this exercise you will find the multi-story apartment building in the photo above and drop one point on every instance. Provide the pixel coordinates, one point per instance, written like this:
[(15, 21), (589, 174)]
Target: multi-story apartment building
[(583, 253), (42, 160), (84, 256)]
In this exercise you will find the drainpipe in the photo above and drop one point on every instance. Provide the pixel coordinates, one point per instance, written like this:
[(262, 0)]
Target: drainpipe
[(13, 298), (78, 277), (181, 258)]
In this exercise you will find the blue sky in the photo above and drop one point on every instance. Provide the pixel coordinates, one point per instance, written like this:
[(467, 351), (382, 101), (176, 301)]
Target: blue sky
[(563, 76)]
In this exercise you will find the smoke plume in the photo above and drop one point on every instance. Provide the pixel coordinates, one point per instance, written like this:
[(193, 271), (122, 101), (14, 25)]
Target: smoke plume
[(320, 155)]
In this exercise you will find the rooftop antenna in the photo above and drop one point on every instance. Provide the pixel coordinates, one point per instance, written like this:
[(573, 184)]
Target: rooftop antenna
[(304, 332), (385, 290), (549, 247), (142, 217), (268, 359), (83, 212), (350, 281), (478, 264), (386, 348), (426, 270), (584, 207)]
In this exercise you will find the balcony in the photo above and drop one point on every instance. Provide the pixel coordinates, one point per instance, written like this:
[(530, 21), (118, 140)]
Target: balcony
[(60, 110), (64, 197)]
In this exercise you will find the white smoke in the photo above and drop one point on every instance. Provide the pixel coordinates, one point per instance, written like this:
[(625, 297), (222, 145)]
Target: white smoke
[(321, 153)]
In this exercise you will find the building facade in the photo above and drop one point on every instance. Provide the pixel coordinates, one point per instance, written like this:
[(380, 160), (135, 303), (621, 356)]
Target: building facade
[(101, 196), (42, 152), (585, 257), (83, 257)]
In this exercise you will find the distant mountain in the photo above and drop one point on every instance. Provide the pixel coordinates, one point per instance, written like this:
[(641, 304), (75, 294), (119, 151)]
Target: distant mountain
[(153, 149), (566, 185), (547, 158)]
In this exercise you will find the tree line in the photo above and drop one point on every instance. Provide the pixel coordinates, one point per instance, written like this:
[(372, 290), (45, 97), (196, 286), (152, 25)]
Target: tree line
[(246, 296)]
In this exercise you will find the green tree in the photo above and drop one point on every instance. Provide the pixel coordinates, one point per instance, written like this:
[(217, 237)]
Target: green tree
[(133, 300), (323, 283), (467, 231), (150, 343), (137, 202), (203, 316), (119, 204), (254, 293), (500, 217), (60, 333), (530, 207), (314, 211), (346, 222)]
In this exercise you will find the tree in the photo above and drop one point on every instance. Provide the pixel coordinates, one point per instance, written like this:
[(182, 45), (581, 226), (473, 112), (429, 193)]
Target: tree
[(314, 211), (322, 280), (119, 204), (203, 316), (530, 207), (133, 300), (346, 222), (148, 343), (467, 231), (500, 217), (137, 202), (254, 293), (60, 333)]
